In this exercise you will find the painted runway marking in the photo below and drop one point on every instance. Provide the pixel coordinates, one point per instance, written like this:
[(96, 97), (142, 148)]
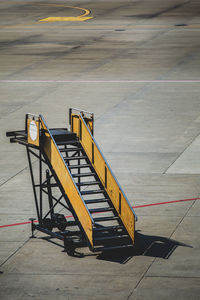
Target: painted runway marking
[(80, 18), (83, 17), (98, 81), (138, 206)]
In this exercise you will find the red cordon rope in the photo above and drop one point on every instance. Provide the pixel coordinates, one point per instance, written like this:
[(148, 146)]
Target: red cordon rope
[(138, 206)]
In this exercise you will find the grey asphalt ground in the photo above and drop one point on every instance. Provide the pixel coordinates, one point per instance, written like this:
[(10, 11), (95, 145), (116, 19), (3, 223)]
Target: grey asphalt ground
[(136, 65)]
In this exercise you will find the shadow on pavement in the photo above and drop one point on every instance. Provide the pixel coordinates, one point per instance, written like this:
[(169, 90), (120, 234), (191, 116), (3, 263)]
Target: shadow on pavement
[(145, 245)]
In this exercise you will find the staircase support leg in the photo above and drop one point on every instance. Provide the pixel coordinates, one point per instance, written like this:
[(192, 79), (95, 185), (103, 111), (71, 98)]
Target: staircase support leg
[(40, 176), (51, 206), (33, 183)]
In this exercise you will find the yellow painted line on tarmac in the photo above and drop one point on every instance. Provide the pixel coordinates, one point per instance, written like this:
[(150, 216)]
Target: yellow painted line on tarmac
[(83, 17), (80, 18), (17, 25)]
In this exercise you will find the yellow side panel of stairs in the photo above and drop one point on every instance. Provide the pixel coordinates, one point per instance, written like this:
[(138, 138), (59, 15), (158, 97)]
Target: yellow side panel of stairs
[(105, 174)]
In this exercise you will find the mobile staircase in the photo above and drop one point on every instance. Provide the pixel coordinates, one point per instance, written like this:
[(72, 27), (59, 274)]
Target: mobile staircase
[(73, 175)]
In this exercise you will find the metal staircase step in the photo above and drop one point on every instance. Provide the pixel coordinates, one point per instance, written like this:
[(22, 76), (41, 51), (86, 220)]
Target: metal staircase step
[(101, 219), (74, 157), (84, 174), (92, 201), (107, 228), (62, 143), (99, 210), (92, 192), (62, 134), (88, 183), (80, 166), (110, 237), (100, 249), (70, 149)]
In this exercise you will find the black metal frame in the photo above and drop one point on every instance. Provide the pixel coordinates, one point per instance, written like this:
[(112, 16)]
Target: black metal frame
[(71, 239), (48, 219)]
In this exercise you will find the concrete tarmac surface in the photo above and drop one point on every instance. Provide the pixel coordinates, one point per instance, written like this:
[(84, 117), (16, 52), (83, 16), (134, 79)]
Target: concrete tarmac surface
[(136, 65)]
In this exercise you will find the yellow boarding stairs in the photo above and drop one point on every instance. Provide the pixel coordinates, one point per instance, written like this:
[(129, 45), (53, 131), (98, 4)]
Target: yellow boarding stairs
[(72, 164)]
